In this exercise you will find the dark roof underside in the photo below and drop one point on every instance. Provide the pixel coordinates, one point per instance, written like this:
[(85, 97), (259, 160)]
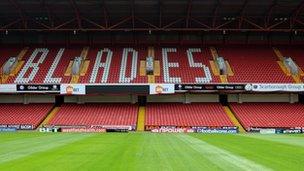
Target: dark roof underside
[(183, 15)]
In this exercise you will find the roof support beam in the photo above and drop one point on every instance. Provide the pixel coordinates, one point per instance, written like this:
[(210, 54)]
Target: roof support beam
[(63, 24), (42, 24), (269, 12), (200, 23), (92, 22), (300, 22), (253, 24), (173, 22), (227, 22), (146, 22), (241, 13), (152, 29), (48, 11), (21, 13), (160, 13), (294, 15), (120, 22), (105, 14), (189, 8), (276, 24), (77, 13), (215, 12), (132, 13), (11, 23)]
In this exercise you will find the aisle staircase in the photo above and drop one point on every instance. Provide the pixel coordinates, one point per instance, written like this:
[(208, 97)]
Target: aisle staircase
[(296, 77), (215, 69), (83, 67), (156, 69), (16, 68), (48, 118), (141, 119), (233, 119)]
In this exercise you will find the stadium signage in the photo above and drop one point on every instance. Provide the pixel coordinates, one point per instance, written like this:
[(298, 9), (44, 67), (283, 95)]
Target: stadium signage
[(73, 89), (276, 87), (267, 131), (8, 129), (117, 89), (223, 130), (162, 89), (44, 129), (209, 87), (18, 127), (172, 130), (82, 89), (38, 88), (89, 130), (292, 131), (217, 131), (8, 88), (115, 128)]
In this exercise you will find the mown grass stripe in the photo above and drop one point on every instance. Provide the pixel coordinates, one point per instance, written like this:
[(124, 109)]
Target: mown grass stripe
[(277, 156), (285, 139), (148, 151), (22, 148), (224, 159)]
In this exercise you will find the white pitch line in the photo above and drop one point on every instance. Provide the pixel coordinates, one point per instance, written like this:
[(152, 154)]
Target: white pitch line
[(220, 157)]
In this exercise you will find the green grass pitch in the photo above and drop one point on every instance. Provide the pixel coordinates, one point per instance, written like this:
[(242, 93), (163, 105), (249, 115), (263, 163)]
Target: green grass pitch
[(150, 151)]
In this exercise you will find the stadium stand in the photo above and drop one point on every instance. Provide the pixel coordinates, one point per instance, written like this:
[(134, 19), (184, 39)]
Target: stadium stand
[(269, 115), (177, 65), (26, 114), (174, 61), (195, 114), (115, 65), (95, 114), (253, 65)]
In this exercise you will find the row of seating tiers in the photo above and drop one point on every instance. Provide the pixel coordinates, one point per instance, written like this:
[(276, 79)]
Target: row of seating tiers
[(297, 54), (195, 114), (96, 114), (254, 65), (269, 114), (250, 64), (32, 114), (250, 115), (184, 71), (68, 55)]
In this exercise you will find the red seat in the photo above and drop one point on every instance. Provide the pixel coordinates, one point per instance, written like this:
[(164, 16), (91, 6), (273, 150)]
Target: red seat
[(32, 114), (96, 114), (254, 65), (195, 114), (269, 114)]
